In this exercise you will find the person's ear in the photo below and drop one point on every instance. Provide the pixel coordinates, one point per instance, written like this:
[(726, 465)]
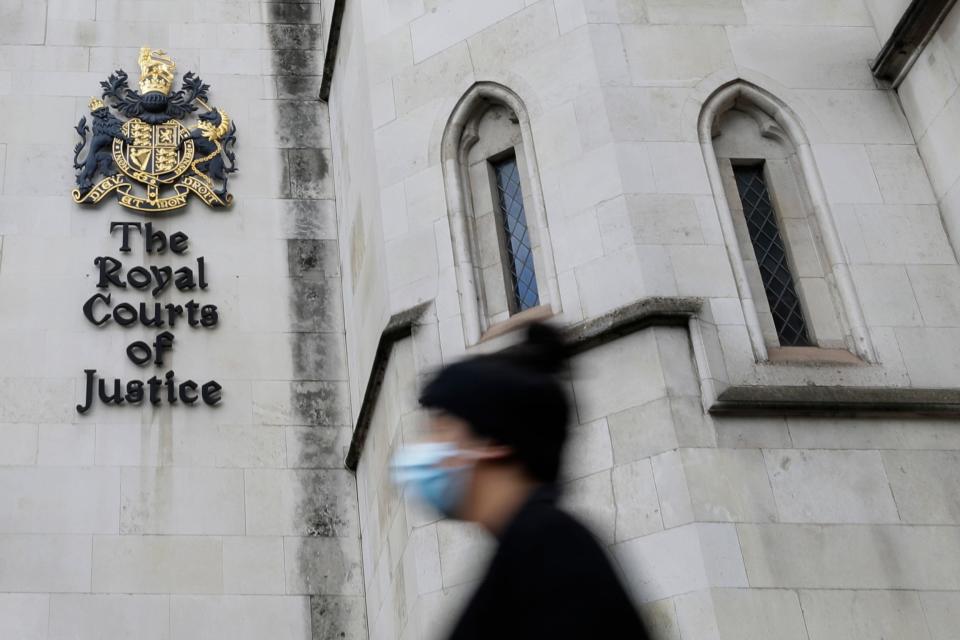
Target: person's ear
[(492, 452)]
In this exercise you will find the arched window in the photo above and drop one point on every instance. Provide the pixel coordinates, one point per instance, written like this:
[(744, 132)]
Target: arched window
[(498, 225), (500, 188), (791, 274)]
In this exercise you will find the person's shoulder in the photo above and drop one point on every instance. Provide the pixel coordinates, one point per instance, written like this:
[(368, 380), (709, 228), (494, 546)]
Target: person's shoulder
[(547, 524), (564, 554)]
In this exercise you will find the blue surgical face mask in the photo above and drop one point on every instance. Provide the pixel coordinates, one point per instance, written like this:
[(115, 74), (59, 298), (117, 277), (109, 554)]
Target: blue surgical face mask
[(419, 467)]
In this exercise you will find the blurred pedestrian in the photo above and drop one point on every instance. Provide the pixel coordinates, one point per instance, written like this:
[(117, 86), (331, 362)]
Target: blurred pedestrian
[(495, 438)]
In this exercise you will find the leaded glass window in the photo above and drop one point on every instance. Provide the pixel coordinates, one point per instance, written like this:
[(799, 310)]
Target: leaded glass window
[(761, 219), (516, 235)]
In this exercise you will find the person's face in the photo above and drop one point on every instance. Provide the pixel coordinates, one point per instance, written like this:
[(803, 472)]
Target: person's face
[(449, 466), (448, 428)]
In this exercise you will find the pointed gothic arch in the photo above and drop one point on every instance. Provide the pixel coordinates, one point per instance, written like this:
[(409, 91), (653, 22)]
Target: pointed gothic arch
[(776, 121), (460, 136)]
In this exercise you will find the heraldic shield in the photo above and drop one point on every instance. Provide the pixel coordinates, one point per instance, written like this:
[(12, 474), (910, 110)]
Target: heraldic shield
[(152, 161)]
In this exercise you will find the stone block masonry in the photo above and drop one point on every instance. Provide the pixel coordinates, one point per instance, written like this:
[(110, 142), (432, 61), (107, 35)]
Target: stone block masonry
[(725, 526), (767, 517), (233, 521)]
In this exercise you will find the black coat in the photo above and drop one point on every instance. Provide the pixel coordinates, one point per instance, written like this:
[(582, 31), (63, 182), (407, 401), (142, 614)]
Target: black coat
[(548, 579)]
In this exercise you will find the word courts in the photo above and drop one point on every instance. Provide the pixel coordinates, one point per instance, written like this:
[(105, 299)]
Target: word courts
[(100, 310)]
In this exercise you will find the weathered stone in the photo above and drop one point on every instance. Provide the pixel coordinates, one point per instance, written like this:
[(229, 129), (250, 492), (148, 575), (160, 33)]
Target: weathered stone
[(114, 615), (239, 617), (591, 499), (292, 13), (635, 494), (728, 485), (301, 123), (940, 610), (755, 614), (682, 559), (642, 431), (338, 617), (850, 556), (318, 565), (157, 564), (859, 615), (25, 615), (292, 36), (296, 62), (464, 549), (300, 502), (830, 486), (240, 522), (307, 171), (317, 447), (18, 444), (182, 501), (59, 500), (253, 565), (298, 87), (926, 485)]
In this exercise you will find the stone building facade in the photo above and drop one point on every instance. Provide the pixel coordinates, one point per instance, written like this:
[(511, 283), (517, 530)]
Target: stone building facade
[(744, 213)]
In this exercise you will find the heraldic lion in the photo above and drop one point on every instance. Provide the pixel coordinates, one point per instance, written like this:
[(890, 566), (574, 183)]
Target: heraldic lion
[(99, 159)]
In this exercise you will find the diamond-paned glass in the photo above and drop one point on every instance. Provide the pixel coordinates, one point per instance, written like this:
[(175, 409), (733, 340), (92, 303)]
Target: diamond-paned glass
[(516, 235), (771, 255)]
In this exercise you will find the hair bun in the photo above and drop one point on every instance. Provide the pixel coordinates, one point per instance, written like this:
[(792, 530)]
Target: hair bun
[(544, 350)]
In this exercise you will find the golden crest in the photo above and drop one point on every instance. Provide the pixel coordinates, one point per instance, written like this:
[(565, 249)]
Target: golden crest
[(153, 149), (159, 152)]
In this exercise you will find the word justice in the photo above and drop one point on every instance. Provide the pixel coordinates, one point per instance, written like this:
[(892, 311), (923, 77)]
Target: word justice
[(155, 390)]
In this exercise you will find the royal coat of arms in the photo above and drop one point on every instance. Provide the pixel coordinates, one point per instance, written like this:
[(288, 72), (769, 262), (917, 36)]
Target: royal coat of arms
[(152, 160)]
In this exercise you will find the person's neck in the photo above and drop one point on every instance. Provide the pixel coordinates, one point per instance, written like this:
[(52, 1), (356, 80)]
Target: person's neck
[(503, 493)]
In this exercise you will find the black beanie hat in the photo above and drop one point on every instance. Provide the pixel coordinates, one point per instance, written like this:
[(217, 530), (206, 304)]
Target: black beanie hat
[(514, 397)]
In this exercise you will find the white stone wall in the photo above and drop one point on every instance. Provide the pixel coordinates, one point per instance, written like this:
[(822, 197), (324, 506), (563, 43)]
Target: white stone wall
[(366, 299), (928, 96), (407, 593), (730, 527), (241, 522), (765, 527), (886, 14), (234, 522), (614, 95)]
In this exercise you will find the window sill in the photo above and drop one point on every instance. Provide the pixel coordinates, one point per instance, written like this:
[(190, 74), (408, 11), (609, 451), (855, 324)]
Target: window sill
[(517, 320), (811, 355), (834, 401)]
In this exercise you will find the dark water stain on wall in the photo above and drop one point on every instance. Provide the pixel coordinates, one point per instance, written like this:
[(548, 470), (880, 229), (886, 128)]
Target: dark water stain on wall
[(327, 512)]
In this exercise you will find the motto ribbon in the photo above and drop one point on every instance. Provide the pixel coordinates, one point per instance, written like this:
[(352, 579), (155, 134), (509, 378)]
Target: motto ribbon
[(124, 188)]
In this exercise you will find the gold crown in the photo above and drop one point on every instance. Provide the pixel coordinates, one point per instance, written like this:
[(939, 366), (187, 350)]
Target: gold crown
[(156, 71), (96, 103)]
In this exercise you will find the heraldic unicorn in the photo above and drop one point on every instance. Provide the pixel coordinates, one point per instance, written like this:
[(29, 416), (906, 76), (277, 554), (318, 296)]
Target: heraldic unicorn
[(153, 148)]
